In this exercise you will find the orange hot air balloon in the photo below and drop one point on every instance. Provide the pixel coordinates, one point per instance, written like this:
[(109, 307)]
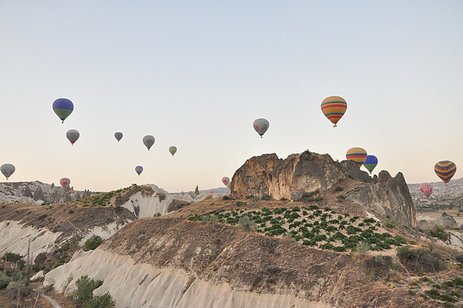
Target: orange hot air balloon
[(445, 169), (357, 155), (334, 107)]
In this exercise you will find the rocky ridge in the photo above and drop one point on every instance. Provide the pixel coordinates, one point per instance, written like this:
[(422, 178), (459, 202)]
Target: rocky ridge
[(300, 175)]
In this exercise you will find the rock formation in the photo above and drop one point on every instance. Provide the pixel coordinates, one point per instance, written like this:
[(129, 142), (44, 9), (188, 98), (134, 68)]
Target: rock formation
[(309, 172)]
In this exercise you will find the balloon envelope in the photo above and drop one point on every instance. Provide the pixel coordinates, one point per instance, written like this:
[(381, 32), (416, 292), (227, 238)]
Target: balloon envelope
[(334, 107), (148, 141), (173, 150), (65, 182), (138, 169), (7, 170), (63, 107), (426, 189), (358, 155), (445, 170), (72, 135), (226, 180), (370, 163), (118, 136), (261, 125)]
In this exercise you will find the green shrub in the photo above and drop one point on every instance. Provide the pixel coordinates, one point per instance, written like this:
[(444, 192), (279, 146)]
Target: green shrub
[(379, 266), (266, 197), (93, 242), (362, 248), (439, 233), (85, 287), (226, 197), (21, 287), (12, 257), (246, 224), (4, 281), (390, 225), (240, 203), (421, 260), (105, 301)]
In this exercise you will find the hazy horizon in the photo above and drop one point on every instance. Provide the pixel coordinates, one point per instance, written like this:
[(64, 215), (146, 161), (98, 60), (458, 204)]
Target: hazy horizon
[(196, 75)]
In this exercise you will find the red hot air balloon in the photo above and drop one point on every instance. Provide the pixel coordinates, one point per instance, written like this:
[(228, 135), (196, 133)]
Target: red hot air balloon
[(226, 180), (65, 182), (426, 189)]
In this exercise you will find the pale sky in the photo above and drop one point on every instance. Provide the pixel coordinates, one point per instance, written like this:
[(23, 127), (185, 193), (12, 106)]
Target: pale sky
[(196, 74)]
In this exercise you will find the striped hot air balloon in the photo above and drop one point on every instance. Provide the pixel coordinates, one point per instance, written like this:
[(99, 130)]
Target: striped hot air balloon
[(445, 169), (334, 107), (357, 155)]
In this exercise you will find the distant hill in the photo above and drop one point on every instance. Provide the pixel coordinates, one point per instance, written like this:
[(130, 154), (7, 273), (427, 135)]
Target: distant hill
[(38, 193)]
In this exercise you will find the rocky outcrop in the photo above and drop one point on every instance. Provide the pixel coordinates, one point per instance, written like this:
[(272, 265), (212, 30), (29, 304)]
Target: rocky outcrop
[(308, 172), (388, 196), (445, 221)]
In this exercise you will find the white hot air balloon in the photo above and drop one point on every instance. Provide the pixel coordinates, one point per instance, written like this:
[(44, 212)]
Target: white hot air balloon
[(148, 141), (72, 135), (7, 170), (261, 125)]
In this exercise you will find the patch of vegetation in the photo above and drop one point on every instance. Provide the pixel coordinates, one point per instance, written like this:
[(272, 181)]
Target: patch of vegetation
[(246, 224), (421, 260), (227, 197), (4, 280), (105, 301), (379, 266), (100, 199), (240, 203), (93, 242), (439, 232), (310, 226), (84, 291), (266, 197), (312, 196)]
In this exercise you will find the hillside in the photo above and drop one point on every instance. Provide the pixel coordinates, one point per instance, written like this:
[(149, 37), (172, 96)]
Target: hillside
[(177, 261)]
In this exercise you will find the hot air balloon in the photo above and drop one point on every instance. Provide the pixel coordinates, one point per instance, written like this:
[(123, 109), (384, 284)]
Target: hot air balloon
[(261, 125), (138, 169), (72, 135), (334, 107), (226, 180), (65, 182), (173, 150), (118, 136), (370, 163), (148, 140), (357, 155), (7, 170), (63, 108), (445, 169), (426, 189)]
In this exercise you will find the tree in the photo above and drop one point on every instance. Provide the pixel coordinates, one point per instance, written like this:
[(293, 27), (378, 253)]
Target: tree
[(196, 190)]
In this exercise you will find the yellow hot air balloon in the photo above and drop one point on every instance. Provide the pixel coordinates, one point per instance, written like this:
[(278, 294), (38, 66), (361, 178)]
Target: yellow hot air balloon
[(334, 107), (357, 155)]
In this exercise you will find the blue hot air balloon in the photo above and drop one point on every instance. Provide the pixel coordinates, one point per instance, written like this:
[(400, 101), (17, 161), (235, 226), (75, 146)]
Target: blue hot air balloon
[(63, 108), (370, 163)]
